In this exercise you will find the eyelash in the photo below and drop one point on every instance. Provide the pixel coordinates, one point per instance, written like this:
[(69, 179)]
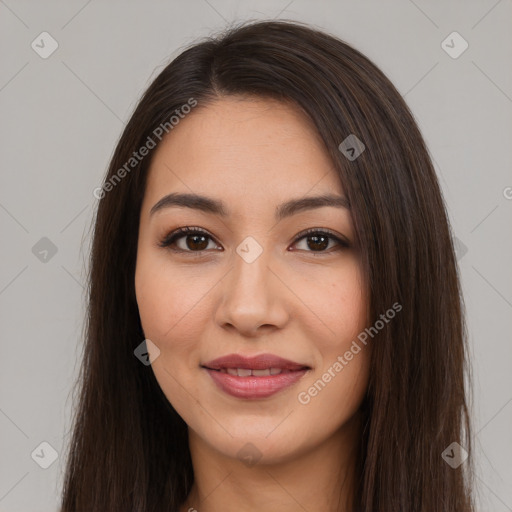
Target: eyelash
[(182, 232)]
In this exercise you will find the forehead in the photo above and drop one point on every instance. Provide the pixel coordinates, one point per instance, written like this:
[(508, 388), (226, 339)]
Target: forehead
[(263, 148)]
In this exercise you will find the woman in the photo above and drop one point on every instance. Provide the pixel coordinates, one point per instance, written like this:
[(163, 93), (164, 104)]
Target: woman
[(275, 319)]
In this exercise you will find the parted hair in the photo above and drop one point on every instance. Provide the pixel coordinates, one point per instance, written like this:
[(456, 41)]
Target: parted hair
[(128, 449)]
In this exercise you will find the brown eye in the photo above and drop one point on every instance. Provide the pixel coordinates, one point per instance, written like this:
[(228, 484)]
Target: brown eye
[(319, 241), (187, 240), (196, 242)]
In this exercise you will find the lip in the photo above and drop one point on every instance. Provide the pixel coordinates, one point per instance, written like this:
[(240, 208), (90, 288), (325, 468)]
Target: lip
[(260, 362), (254, 387)]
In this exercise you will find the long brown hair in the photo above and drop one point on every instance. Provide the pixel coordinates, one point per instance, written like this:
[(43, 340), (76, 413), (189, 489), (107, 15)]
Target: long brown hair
[(129, 448)]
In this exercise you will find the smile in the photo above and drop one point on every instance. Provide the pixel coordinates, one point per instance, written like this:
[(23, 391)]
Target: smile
[(244, 372), (254, 377)]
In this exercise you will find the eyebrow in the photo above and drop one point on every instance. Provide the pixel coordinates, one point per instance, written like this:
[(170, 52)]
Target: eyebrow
[(217, 207)]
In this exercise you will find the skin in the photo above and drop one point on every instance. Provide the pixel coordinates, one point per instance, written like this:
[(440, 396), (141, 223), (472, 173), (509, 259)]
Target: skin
[(295, 301)]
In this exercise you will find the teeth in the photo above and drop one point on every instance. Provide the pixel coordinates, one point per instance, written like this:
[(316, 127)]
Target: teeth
[(261, 373), (245, 372)]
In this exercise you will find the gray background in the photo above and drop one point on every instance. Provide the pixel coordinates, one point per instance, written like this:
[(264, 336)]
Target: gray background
[(61, 117)]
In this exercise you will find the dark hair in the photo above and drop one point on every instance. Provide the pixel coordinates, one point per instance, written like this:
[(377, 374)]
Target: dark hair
[(129, 448)]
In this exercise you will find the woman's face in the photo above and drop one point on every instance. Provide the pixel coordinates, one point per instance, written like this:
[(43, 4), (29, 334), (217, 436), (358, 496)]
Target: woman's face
[(251, 283)]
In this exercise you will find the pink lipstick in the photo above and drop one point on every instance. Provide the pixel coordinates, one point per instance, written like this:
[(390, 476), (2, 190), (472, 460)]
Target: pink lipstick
[(254, 377)]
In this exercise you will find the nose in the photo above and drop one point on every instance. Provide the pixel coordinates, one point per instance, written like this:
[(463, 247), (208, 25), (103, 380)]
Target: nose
[(254, 299)]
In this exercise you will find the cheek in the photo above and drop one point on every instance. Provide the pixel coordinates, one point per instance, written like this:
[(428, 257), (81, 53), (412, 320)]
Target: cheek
[(342, 373), (333, 398), (336, 389), (170, 309), (340, 303), (172, 302)]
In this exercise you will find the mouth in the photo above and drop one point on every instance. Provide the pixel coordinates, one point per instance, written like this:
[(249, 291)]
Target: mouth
[(248, 372), (254, 377)]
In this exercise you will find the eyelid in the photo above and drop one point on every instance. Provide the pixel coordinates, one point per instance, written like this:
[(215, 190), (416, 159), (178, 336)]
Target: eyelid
[(182, 232), (310, 231), (189, 230)]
